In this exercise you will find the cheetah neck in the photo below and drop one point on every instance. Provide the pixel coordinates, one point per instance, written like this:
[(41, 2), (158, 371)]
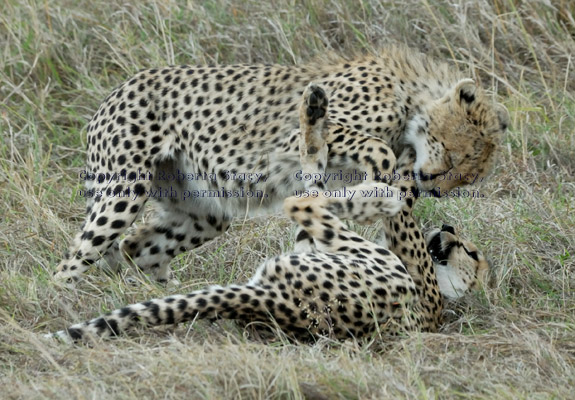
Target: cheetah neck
[(415, 135), (414, 83)]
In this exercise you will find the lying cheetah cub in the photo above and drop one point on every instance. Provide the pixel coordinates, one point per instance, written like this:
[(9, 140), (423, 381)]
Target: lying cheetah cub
[(346, 286)]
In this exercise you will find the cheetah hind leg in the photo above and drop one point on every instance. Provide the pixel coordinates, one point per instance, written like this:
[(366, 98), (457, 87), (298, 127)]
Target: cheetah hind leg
[(312, 147)]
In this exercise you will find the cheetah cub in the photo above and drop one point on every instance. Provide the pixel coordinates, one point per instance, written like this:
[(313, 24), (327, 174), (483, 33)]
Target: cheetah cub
[(345, 286)]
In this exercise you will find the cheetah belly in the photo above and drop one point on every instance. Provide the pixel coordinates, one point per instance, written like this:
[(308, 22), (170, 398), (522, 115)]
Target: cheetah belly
[(246, 193), (228, 191)]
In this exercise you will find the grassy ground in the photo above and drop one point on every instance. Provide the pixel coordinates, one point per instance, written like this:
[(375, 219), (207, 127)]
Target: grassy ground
[(60, 58)]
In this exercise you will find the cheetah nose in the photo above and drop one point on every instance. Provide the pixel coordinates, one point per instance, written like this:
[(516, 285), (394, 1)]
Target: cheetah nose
[(448, 228)]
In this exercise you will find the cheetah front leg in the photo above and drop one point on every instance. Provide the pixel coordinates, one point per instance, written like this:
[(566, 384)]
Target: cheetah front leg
[(373, 200), (320, 217), (320, 144), (366, 154)]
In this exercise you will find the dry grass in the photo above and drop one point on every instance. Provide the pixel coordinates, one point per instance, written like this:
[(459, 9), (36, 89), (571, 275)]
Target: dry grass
[(60, 58)]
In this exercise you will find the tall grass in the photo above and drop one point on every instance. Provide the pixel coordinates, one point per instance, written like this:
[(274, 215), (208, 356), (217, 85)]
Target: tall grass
[(60, 58)]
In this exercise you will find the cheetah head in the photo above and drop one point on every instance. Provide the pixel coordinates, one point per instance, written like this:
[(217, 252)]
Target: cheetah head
[(459, 265), (455, 140)]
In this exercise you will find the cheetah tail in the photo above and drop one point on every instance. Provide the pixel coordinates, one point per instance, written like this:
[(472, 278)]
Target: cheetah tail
[(243, 302)]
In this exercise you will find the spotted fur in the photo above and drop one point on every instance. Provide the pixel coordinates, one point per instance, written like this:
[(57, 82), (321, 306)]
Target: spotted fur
[(207, 124), (346, 287)]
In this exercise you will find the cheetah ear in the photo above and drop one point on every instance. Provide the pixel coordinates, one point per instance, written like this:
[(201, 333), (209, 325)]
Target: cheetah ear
[(465, 93), (503, 116)]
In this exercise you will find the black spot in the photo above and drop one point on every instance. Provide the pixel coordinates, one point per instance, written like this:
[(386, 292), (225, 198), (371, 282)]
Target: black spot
[(467, 97), (211, 220), (139, 189), (182, 304), (169, 316), (98, 240), (134, 129), (87, 235), (74, 333)]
